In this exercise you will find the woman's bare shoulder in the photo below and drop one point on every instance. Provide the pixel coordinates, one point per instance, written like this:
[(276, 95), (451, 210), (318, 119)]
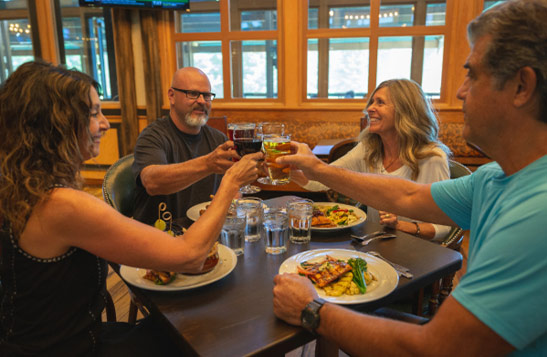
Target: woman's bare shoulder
[(70, 205)]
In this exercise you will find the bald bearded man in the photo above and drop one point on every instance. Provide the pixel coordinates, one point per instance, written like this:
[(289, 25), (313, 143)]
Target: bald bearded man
[(178, 159)]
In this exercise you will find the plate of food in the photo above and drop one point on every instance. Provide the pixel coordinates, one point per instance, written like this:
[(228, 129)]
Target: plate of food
[(169, 281), (330, 216), (197, 210), (332, 272)]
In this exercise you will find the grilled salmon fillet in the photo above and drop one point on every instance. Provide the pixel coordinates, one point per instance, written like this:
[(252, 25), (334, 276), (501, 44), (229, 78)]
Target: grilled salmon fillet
[(325, 272)]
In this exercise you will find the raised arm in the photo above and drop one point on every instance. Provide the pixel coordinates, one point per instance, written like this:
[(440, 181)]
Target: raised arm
[(390, 194), (71, 218), (171, 178)]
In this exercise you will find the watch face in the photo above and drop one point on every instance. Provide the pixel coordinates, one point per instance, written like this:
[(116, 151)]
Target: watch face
[(310, 315), (310, 319)]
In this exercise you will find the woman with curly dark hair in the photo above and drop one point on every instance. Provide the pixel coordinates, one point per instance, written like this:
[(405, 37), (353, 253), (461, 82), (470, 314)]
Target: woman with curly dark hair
[(55, 239)]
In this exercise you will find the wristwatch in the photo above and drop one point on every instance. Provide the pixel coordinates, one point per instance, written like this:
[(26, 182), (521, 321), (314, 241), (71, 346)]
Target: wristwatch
[(310, 315)]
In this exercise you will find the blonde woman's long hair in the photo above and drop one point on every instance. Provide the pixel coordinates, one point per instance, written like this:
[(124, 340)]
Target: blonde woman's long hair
[(415, 122), (44, 115)]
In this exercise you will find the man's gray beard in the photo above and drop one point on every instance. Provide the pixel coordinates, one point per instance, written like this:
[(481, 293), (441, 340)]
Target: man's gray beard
[(195, 122)]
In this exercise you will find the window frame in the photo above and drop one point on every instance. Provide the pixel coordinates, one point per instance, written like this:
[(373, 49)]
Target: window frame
[(373, 33), (292, 36), (226, 36)]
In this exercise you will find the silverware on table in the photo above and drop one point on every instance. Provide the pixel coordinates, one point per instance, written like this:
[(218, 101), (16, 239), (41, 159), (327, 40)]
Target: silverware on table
[(401, 270), (368, 235), (383, 236)]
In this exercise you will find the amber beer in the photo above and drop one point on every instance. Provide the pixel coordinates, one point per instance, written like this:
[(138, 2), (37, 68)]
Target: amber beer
[(274, 147)]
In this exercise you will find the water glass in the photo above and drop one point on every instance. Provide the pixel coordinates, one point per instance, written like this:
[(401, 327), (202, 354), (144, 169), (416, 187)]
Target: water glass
[(251, 208), (232, 234), (276, 231), (300, 213)]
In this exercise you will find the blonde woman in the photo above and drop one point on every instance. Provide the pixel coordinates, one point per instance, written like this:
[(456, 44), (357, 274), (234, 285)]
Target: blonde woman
[(401, 140), (55, 239)]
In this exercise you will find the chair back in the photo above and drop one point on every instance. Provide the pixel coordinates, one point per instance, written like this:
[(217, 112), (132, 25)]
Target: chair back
[(457, 169), (337, 151), (219, 123), (119, 185), (341, 148)]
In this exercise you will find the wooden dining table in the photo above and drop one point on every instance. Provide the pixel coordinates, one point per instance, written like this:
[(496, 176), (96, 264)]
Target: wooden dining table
[(234, 316)]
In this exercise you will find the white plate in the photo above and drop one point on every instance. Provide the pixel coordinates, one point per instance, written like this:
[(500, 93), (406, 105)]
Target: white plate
[(226, 263), (387, 277), (193, 212), (361, 215)]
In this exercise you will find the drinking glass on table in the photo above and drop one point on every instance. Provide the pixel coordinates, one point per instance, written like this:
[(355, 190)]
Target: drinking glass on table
[(276, 231), (247, 141), (275, 146), (232, 234), (270, 128), (300, 212), (251, 208)]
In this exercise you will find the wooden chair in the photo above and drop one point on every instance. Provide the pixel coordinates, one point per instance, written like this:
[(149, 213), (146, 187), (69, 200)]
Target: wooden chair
[(110, 308), (219, 123), (118, 191), (341, 148)]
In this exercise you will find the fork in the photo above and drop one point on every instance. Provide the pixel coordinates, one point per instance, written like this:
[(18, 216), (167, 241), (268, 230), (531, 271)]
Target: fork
[(382, 236), (403, 271), (369, 235)]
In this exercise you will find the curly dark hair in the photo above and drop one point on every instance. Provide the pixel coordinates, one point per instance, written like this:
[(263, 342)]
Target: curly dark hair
[(44, 115)]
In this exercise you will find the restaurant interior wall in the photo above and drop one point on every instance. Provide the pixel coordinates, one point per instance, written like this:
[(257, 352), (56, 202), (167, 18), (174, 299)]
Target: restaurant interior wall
[(150, 45)]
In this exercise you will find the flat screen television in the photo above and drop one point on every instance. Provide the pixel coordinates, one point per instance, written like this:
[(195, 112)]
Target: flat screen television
[(152, 4)]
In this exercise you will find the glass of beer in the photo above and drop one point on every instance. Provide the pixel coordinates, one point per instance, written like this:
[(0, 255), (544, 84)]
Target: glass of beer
[(275, 146), (270, 128)]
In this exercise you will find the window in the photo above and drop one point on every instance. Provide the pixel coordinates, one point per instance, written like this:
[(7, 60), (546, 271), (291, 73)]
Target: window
[(347, 67), (254, 69), (248, 46), (15, 37), (88, 44), (397, 59), (205, 55), (354, 47)]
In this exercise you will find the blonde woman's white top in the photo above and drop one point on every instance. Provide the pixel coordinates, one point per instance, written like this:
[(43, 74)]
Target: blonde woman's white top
[(432, 169)]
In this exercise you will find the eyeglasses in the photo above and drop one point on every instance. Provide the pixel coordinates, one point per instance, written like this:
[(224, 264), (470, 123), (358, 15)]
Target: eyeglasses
[(194, 94)]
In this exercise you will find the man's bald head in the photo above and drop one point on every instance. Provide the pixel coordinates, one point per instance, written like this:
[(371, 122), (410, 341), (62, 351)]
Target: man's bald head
[(188, 114)]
